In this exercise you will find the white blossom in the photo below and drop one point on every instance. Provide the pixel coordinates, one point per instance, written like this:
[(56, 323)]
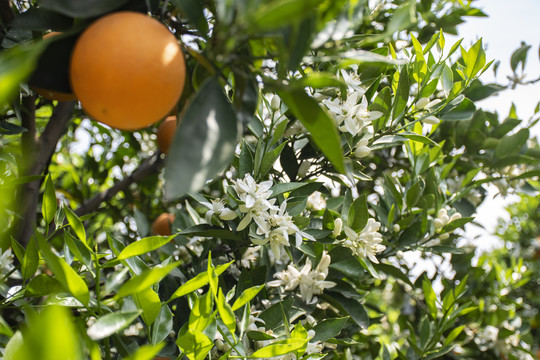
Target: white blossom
[(338, 227), (6, 261), (218, 207), (310, 281), (362, 150), (316, 201), (366, 243), (430, 120)]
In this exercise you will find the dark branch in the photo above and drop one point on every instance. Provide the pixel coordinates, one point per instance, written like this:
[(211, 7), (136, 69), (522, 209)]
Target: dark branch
[(148, 167), (6, 16)]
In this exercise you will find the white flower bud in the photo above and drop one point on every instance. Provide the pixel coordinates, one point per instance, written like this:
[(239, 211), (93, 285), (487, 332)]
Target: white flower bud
[(275, 103), (438, 224), (421, 103), (444, 236), (455, 216), (303, 168), (431, 120), (338, 226), (433, 103), (442, 212), (396, 227), (362, 151), (227, 214)]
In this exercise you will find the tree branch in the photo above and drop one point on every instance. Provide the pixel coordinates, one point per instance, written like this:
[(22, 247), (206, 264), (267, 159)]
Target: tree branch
[(36, 155), (146, 168)]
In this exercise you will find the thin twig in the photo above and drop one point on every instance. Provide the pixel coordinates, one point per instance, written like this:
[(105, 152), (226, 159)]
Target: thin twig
[(146, 168)]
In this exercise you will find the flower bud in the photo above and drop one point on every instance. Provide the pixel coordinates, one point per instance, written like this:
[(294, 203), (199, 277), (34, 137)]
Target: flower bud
[(275, 103), (421, 103), (396, 227), (362, 151), (338, 226), (431, 120)]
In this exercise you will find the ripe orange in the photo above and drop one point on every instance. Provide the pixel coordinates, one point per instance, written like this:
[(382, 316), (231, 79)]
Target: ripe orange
[(127, 70), (162, 224), (161, 358), (165, 134)]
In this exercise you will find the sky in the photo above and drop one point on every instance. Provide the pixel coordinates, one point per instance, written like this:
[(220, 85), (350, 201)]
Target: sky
[(508, 23)]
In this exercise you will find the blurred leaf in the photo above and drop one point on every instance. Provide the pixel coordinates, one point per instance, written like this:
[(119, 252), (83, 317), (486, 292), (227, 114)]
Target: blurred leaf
[(210, 231), (48, 205), (204, 142), (456, 224), (111, 323), (279, 13), (511, 145), (76, 224), (401, 95), (519, 56), (279, 348), (146, 352), (194, 11), (430, 297), (40, 19), (194, 344), (30, 260), (82, 8), (43, 285), (149, 303)]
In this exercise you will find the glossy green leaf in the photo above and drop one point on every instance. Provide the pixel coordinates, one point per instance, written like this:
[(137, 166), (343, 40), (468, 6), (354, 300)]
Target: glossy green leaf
[(75, 223), (358, 214), (352, 307), (194, 344), (111, 323), (246, 296), (30, 260), (82, 8), (48, 205), (148, 302), (321, 127), (226, 312), (519, 56), (43, 285), (68, 277), (197, 282), (268, 160), (280, 13), (145, 280), (456, 224), (204, 142), (144, 246), (279, 348), (162, 326), (475, 60), (511, 145), (328, 328), (401, 96)]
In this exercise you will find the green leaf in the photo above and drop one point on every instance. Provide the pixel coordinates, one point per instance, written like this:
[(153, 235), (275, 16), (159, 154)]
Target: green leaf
[(48, 206), (162, 326), (146, 352), (418, 138), (453, 335), (43, 285), (352, 307), (519, 57), (511, 145), (393, 271), (194, 344), (145, 280), (279, 13), (226, 312), (204, 142), (268, 160), (68, 277), (30, 260), (197, 282), (211, 231), (50, 334), (111, 323), (194, 11), (475, 60), (402, 94), (16, 65), (144, 246), (76, 224), (430, 297), (358, 214), (246, 296), (328, 328), (456, 224), (279, 348), (321, 127), (447, 79), (148, 302), (82, 8)]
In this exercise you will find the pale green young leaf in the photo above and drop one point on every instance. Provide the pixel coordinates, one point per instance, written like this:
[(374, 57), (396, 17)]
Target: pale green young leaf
[(148, 302), (279, 348), (75, 223), (144, 246), (30, 260), (225, 312), (430, 297), (475, 60), (146, 352), (197, 282), (194, 344), (48, 205), (246, 296)]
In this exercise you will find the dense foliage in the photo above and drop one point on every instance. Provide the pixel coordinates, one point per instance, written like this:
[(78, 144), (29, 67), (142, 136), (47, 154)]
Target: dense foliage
[(324, 146)]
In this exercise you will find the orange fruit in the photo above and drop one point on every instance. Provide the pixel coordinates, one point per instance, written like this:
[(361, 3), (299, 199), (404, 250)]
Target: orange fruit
[(162, 224), (165, 134), (127, 70), (161, 358)]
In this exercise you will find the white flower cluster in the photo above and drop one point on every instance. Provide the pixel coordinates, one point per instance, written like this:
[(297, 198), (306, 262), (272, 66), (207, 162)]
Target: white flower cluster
[(442, 220), (366, 243), (422, 105), (274, 224), (311, 281)]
